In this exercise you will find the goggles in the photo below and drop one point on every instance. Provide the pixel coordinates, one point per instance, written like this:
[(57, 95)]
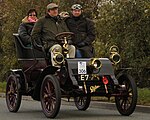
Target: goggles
[(76, 6)]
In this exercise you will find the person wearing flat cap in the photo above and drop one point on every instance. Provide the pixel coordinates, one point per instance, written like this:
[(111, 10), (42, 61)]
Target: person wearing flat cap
[(45, 30), (84, 31)]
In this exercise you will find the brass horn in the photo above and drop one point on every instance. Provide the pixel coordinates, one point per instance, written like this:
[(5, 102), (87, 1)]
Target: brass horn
[(114, 54)]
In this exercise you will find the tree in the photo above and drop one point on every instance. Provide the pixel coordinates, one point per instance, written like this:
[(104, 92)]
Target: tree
[(126, 24), (13, 12)]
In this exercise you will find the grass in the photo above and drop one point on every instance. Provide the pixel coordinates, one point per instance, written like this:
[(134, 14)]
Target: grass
[(143, 95), (2, 86)]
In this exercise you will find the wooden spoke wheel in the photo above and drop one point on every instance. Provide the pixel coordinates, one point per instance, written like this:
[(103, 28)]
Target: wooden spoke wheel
[(13, 96), (82, 102), (127, 102), (50, 96)]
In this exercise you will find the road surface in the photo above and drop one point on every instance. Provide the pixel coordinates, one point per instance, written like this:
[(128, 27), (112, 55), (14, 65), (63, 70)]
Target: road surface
[(31, 110)]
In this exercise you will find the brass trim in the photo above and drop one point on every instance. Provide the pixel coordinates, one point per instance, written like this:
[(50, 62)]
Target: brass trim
[(93, 60), (112, 58), (113, 49), (55, 55)]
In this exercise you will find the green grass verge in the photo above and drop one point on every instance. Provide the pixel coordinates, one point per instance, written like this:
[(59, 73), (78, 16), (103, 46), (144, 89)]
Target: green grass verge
[(143, 95), (2, 86)]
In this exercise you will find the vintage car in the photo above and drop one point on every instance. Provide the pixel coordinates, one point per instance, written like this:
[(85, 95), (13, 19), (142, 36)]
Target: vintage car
[(79, 78)]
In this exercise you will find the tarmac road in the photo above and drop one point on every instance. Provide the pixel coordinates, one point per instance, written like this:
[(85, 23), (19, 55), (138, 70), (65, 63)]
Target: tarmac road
[(31, 110)]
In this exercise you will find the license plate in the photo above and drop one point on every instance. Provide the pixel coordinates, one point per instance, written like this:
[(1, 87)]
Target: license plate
[(82, 67)]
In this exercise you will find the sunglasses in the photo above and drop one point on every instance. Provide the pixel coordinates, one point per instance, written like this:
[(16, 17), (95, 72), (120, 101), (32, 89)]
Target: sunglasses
[(32, 15)]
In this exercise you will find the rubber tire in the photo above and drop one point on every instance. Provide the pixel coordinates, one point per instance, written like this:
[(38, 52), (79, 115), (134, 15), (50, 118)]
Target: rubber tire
[(133, 86), (52, 79), (87, 100), (18, 94)]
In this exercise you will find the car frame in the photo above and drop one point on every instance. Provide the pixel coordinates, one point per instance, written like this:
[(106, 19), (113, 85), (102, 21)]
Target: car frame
[(79, 78)]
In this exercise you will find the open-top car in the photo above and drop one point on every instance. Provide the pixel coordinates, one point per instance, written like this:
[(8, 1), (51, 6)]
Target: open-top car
[(79, 78)]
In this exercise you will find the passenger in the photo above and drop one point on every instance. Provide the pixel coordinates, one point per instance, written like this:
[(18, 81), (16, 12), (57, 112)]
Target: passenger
[(47, 28), (26, 27), (84, 31)]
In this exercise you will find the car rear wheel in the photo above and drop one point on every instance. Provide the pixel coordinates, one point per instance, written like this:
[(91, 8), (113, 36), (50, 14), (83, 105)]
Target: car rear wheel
[(13, 95), (126, 104), (50, 95), (82, 102)]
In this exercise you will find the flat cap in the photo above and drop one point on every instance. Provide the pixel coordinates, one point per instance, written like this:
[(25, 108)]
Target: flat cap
[(52, 6)]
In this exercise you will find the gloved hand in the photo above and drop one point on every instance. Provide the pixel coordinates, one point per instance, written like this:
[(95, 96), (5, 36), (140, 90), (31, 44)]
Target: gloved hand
[(70, 42), (81, 44)]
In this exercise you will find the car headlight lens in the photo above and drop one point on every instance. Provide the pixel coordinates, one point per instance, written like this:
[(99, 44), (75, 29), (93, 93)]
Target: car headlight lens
[(58, 58), (95, 63)]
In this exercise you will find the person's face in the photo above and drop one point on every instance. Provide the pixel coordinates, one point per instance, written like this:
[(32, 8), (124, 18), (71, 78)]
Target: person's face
[(53, 12), (32, 15), (76, 12)]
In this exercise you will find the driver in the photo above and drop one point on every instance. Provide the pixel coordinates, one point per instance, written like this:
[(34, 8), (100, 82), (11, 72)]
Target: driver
[(46, 29)]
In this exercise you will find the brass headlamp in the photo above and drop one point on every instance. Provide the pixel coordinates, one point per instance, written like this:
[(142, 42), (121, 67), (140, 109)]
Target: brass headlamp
[(95, 63), (114, 54), (58, 58)]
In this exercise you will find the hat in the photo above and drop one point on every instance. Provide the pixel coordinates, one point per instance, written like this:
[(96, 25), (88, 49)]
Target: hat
[(76, 6), (51, 6)]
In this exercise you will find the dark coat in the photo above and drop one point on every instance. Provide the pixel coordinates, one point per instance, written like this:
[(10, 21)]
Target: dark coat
[(84, 31), (45, 30), (24, 31)]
